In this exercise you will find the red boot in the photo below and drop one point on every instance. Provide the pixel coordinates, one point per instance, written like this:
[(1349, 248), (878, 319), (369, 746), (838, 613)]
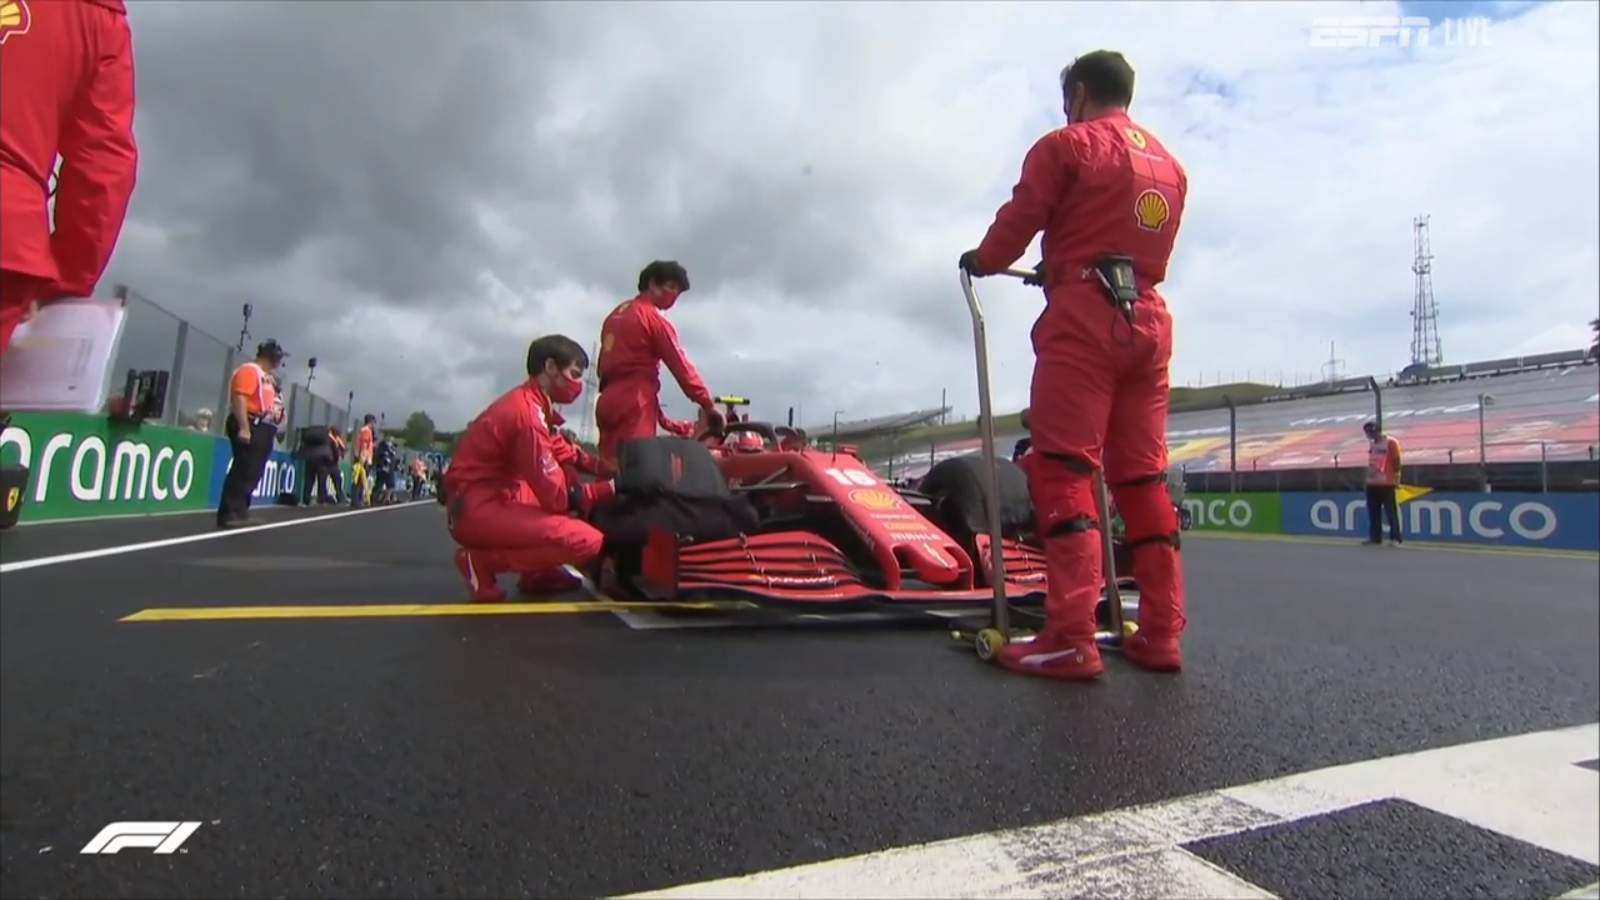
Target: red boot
[(554, 580), (1065, 648), (478, 572), (1155, 646), (1054, 655), (1153, 652)]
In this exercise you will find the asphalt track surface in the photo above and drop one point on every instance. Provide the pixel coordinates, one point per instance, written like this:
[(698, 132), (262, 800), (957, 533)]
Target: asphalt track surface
[(569, 755)]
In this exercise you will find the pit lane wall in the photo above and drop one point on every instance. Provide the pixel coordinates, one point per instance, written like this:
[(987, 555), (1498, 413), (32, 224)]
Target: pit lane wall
[(1552, 521), (86, 467), (1565, 521), (83, 467)]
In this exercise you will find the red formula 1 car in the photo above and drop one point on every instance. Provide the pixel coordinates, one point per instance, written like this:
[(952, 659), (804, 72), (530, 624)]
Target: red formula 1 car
[(760, 518)]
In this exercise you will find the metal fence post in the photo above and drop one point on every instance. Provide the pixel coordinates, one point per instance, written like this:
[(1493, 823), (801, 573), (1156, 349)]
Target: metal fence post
[(1544, 467), (176, 380), (1377, 400), (225, 402), (289, 411), (1233, 444)]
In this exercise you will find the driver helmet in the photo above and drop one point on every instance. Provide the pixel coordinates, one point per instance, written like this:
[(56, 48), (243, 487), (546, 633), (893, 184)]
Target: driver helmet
[(743, 440)]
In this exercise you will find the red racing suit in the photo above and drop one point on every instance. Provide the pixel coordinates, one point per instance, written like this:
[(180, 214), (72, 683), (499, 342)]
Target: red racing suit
[(510, 502), (675, 427), (66, 88), (1102, 187), (635, 341)]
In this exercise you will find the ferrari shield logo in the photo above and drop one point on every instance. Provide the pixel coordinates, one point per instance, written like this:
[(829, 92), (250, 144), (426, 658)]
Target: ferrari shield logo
[(1151, 211), (13, 497), (15, 19), (1136, 137)]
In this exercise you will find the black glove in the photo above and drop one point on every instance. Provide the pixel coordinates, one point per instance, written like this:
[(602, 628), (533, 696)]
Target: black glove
[(1038, 276), (969, 264)]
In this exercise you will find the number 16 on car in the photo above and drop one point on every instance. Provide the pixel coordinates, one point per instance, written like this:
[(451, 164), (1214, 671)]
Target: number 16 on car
[(852, 477)]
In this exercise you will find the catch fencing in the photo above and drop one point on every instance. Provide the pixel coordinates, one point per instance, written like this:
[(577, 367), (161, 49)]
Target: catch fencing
[(201, 365), (1528, 431)]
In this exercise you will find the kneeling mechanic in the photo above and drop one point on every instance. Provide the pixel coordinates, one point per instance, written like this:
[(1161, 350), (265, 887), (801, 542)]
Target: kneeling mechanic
[(511, 506)]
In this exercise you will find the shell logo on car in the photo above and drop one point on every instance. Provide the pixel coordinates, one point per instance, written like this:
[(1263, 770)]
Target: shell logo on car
[(876, 499)]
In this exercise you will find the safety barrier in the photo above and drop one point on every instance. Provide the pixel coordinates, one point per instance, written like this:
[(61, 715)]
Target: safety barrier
[(1463, 472), (83, 466), (89, 467), (1555, 521)]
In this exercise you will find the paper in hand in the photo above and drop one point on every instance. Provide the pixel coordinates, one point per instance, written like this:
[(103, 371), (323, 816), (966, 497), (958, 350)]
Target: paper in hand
[(60, 360)]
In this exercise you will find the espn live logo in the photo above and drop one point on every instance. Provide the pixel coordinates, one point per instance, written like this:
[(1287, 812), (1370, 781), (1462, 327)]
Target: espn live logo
[(1399, 31), (160, 837)]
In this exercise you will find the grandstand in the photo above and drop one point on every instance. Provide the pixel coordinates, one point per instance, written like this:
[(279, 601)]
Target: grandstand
[(1535, 409), (877, 428), (1420, 374)]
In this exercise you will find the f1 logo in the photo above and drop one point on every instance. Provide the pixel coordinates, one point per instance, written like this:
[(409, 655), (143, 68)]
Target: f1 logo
[(161, 837)]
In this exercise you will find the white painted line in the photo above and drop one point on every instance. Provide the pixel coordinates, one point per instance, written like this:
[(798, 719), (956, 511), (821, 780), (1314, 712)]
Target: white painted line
[(1526, 787), (24, 564)]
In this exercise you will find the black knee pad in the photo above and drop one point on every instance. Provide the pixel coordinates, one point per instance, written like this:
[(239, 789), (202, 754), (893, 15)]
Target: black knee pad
[(1079, 464), (1175, 539), (1073, 525), (1157, 478)]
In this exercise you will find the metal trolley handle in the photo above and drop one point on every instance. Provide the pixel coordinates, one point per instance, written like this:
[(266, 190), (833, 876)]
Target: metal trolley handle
[(991, 459)]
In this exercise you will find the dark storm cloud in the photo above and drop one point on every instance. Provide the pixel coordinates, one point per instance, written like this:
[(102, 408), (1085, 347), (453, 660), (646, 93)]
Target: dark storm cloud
[(270, 127), (330, 161)]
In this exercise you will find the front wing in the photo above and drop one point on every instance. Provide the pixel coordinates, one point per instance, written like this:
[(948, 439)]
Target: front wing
[(805, 572)]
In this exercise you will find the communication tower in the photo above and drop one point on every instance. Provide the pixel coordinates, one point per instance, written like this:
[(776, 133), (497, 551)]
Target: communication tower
[(1425, 347), (1333, 369), (591, 390)]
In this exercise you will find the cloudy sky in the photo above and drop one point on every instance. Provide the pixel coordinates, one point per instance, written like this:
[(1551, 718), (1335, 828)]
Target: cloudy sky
[(411, 191)]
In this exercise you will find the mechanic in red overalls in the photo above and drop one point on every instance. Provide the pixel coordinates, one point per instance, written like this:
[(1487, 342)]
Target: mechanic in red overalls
[(66, 89), (635, 341), (511, 505), (1109, 198)]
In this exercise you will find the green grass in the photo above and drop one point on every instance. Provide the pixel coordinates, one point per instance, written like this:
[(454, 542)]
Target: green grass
[(1182, 399)]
